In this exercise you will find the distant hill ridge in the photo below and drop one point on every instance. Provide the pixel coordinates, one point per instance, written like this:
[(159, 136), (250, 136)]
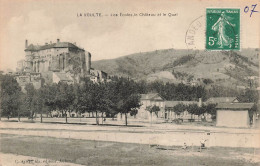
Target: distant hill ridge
[(182, 65)]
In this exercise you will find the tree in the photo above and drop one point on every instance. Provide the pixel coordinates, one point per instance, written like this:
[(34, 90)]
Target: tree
[(38, 102), (48, 93), (10, 94), (64, 99), (128, 101), (220, 91), (201, 110), (90, 97), (30, 93), (94, 102), (249, 96), (211, 109), (23, 111), (193, 109), (179, 92), (131, 104), (152, 109), (179, 108), (103, 104), (71, 98), (82, 98), (114, 97), (208, 81)]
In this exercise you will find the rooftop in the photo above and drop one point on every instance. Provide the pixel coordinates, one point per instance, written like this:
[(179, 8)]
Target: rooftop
[(174, 103), (32, 47), (235, 106), (151, 96)]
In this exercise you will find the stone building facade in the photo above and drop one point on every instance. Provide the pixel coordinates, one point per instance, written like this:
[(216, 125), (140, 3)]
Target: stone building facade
[(29, 78), (56, 57), (60, 61)]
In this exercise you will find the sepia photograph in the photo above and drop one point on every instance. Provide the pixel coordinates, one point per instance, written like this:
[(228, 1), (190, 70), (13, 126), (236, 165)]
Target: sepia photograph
[(129, 82)]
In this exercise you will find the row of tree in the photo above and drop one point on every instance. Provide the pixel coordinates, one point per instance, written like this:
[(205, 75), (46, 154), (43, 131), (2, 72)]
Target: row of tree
[(194, 109), (182, 92), (121, 95), (171, 91), (111, 98)]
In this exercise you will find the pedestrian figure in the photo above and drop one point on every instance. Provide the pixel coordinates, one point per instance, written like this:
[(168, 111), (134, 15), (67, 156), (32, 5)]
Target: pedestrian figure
[(184, 146), (202, 144)]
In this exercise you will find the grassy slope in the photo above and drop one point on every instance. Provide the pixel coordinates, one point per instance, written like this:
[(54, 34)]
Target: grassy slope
[(149, 65)]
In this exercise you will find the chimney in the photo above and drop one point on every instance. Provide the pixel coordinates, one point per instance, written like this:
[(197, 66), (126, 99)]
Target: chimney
[(200, 102), (26, 43), (88, 62), (58, 40)]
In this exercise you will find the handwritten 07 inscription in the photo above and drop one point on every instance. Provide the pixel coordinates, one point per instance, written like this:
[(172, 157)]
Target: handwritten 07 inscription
[(222, 29)]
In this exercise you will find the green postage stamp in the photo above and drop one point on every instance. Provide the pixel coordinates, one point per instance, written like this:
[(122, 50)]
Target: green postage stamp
[(222, 29)]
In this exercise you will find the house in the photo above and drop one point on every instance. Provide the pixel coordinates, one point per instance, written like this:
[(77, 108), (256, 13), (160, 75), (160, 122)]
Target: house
[(151, 99), (97, 76), (233, 114), (166, 107)]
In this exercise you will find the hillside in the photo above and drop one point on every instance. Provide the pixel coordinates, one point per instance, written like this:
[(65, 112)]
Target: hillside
[(187, 66)]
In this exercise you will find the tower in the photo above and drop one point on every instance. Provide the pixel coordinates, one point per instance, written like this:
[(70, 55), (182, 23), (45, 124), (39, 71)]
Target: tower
[(88, 62), (26, 43)]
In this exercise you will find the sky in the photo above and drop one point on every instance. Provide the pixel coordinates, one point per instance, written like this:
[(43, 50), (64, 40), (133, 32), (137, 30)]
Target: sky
[(107, 37)]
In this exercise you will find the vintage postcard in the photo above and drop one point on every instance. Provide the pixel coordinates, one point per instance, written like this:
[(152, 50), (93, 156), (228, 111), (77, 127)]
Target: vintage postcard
[(127, 82)]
